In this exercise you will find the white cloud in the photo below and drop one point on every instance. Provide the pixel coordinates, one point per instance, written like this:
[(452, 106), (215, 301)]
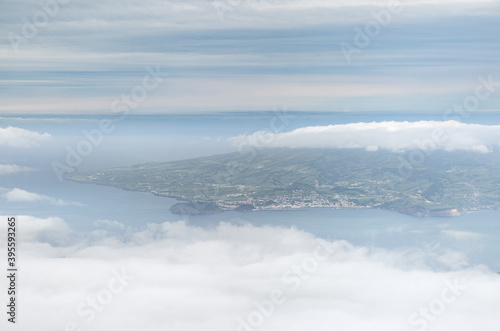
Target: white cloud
[(33, 229), (462, 235), (19, 195), (39, 232), (182, 277), (11, 169), (21, 138), (113, 225), (393, 136)]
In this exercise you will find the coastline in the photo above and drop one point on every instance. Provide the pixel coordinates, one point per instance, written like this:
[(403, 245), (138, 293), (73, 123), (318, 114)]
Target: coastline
[(191, 207)]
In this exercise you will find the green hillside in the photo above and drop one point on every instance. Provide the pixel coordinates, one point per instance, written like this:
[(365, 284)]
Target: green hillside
[(445, 183)]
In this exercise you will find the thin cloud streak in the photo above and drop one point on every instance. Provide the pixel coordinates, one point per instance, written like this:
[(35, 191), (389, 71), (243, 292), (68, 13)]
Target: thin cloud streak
[(11, 169), (22, 196)]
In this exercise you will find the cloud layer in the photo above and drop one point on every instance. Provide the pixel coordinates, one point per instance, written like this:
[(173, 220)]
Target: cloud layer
[(393, 136), (11, 169), (179, 277), (21, 138), (19, 195)]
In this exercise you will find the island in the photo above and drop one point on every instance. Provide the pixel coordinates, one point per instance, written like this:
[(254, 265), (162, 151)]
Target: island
[(439, 183)]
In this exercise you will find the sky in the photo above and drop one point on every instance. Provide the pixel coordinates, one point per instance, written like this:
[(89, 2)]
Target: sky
[(200, 56)]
